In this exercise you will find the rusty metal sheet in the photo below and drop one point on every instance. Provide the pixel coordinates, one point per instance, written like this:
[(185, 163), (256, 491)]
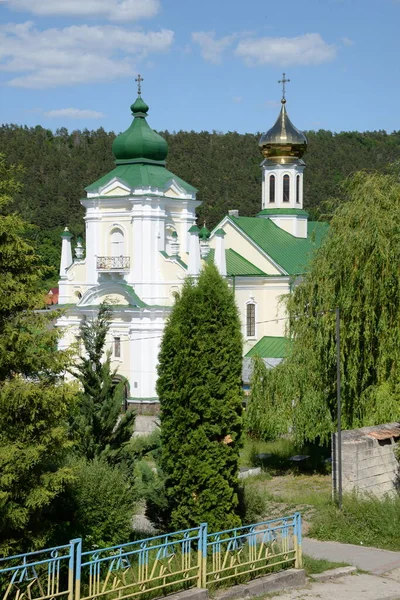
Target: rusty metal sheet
[(384, 434)]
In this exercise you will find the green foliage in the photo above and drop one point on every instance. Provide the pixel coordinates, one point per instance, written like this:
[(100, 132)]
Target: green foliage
[(199, 387), (253, 504), (357, 270), (34, 401), (98, 504), (33, 446), (266, 416), (59, 165), (101, 429), (314, 566), (365, 520), (19, 266)]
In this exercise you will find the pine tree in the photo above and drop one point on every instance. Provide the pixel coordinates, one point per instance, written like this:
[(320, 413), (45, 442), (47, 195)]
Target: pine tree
[(101, 428), (199, 387)]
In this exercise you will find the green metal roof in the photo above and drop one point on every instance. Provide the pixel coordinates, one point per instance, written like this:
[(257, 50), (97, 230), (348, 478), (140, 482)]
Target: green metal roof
[(291, 253), (139, 140), (235, 264), (270, 347), (283, 211), (140, 175)]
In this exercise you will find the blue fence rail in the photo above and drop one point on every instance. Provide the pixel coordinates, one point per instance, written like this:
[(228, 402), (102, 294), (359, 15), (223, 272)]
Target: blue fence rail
[(154, 566)]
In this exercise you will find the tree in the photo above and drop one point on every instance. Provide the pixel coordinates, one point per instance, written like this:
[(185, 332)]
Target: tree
[(357, 270), (97, 506), (266, 416), (101, 429), (199, 387), (34, 401)]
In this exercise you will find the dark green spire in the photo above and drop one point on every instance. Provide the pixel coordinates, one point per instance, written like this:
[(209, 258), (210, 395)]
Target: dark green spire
[(204, 233), (139, 142)]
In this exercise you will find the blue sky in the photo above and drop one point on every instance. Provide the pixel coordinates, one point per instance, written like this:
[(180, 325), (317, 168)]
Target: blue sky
[(207, 65)]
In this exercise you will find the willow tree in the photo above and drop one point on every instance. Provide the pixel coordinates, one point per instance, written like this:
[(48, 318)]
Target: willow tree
[(357, 270), (199, 386)]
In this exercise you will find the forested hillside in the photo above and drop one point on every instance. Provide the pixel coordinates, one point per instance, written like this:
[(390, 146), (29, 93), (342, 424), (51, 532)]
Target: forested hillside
[(224, 167)]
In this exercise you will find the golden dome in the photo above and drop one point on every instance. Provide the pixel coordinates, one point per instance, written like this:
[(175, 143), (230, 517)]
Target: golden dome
[(283, 141)]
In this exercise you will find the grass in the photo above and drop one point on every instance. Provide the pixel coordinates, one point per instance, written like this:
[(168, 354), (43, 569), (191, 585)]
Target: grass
[(278, 454), (287, 487), (315, 566), (364, 520)]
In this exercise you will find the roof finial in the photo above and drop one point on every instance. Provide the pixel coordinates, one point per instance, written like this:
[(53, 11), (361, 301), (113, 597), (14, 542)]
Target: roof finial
[(283, 81), (139, 80)]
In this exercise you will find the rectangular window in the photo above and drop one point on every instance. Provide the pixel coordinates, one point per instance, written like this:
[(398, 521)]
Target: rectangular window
[(251, 320), (117, 347)]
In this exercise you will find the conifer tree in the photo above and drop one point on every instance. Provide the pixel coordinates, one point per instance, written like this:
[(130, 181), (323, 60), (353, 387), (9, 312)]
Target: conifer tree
[(34, 401), (101, 428), (199, 387)]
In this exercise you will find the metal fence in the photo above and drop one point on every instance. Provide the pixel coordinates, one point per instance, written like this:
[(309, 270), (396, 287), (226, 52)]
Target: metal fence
[(45, 574), (154, 566)]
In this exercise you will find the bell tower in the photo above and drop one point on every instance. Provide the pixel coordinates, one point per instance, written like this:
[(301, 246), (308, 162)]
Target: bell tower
[(282, 173)]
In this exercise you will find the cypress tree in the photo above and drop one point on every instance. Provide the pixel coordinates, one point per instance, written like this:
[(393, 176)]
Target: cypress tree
[(199, 386)]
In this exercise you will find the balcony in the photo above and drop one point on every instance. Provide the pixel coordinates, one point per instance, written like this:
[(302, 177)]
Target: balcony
[(113, 263)]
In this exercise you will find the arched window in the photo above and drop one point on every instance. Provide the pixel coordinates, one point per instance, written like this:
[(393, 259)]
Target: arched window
[(298, 189), (251, 320), (272, 189), (117, 242), (286, 188)]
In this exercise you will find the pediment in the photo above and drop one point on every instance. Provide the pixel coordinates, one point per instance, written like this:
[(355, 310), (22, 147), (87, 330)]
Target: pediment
[(112, 293), (174, 190), (116, 187)]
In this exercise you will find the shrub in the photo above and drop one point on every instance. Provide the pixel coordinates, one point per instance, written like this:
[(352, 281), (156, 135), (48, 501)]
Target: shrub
[(99, 505)]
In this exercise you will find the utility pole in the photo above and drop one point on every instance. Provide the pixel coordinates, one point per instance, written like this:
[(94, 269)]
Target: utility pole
[(339, 411)]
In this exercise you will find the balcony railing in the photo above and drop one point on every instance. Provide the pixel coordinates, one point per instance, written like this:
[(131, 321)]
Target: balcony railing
[(113, 263)]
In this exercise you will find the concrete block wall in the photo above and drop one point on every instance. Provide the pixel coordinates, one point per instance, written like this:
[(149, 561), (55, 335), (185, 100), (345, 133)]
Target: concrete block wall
[(368, 464)]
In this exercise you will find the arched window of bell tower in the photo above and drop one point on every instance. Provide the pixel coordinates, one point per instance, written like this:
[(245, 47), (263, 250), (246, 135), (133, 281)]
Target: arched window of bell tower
[(286, 188), (298, 189), (272, 189)]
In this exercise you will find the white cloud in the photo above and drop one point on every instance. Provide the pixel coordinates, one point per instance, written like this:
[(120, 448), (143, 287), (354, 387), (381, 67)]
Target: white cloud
[(307, 49), (210, 48), (115, 10), (74, 113), (77, 54), (347, 41)]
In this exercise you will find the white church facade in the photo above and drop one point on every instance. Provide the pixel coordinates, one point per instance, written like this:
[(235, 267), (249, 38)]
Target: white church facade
[(142, 241)]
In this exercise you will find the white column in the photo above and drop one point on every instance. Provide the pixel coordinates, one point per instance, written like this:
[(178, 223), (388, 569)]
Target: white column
[(66, 253), (220, 257), (92, 225), (194, 251)]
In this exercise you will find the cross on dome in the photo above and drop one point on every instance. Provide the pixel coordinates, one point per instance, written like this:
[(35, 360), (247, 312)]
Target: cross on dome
[(283, 81), (139, 80)]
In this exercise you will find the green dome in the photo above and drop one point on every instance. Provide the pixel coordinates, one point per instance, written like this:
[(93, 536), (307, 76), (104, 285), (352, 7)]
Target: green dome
[(139, 141)]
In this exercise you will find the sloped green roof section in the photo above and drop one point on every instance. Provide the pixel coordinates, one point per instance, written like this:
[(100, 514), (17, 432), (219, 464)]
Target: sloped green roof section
[(291, 253), (138, 174), (270, 347), (235, 264)]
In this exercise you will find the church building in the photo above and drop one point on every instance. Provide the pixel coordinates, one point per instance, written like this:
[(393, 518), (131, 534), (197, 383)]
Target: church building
[(142, 241)]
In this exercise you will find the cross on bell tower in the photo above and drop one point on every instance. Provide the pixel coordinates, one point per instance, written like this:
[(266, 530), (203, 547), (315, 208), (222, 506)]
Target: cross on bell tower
[(284, 81), (139, 80)]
